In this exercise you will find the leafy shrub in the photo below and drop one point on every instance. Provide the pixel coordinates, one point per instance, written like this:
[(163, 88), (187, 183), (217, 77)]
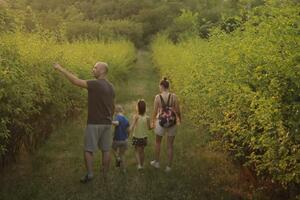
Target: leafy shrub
[(34, 98), (244, 86), (7, 21), (184, 26), (81, 30), (112, 29)]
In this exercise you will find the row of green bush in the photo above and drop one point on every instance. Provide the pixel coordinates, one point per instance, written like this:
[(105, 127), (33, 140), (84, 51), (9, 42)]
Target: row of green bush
[(136, 20), (33, 97), (245, 87)]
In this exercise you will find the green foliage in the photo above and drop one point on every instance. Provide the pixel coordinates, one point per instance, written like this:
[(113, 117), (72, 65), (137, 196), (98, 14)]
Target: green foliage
[(244, 86), (135, 20), (82, 30), (231, 24), (82, 55), (33, 97), (7, 21), (155, 20), (113, 29), (73, 14), (184, 26)]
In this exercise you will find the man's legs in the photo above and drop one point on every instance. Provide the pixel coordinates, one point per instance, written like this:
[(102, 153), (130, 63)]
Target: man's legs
[(104, 143), (88, 157), (89, 147), (105, 163)]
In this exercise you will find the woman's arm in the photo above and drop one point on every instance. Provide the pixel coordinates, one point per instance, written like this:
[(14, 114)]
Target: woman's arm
[(128, 131), (149, 124), (155, 111)]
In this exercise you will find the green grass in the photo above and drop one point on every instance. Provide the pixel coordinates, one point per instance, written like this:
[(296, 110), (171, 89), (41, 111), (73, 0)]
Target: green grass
[(53, 172)]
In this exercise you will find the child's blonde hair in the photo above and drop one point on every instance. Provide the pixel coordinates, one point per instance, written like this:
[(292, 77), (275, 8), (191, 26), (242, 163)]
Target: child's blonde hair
[(119, 108)]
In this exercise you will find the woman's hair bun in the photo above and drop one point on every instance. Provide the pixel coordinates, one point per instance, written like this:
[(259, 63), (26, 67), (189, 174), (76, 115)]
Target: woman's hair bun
[(165, 83)]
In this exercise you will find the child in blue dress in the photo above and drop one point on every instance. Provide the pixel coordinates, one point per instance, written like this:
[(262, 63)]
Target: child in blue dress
[(121, 133)]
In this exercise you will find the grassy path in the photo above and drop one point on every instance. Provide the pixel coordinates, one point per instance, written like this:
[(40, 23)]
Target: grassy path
[(54, 171)]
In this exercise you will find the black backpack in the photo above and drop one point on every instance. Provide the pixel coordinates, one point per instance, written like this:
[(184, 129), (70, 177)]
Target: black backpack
[(167, 116)]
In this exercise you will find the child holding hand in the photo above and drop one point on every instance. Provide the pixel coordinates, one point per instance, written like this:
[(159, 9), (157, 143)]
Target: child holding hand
[(139, 128), (121, 133)]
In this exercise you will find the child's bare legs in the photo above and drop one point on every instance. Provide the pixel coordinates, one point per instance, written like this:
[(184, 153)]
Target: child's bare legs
[(137, 156), (122, 157), (140, 155), (116, 153)]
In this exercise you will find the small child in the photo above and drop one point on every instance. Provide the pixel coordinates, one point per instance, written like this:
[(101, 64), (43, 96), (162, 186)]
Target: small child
[(121, 133), (140, 126)]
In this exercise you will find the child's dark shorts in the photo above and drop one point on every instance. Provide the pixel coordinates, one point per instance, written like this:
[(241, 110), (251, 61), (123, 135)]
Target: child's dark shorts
[(141, 142), (122, 144)]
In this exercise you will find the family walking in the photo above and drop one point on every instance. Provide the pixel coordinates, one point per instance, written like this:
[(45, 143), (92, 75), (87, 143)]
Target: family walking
[(103, 114)]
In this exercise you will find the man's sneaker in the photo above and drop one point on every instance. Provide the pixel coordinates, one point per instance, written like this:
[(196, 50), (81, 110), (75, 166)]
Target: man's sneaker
[(155, 164), (86, 179), (168, 169)]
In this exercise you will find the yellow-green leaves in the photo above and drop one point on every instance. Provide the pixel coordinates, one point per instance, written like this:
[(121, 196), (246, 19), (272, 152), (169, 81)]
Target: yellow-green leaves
[(33, 97), (245, 86)]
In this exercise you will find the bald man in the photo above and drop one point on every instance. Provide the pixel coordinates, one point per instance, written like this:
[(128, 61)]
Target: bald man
[(100, 111)]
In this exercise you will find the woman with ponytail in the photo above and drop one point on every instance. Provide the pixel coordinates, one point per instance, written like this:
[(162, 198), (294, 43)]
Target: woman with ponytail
[(166, 117)]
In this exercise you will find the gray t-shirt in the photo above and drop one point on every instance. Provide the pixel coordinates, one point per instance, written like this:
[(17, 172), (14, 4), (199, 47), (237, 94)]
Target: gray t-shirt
[(101, 96)]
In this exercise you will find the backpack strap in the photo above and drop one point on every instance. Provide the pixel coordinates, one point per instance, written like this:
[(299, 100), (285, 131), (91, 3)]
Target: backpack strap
[(162, 101), (169, 97)]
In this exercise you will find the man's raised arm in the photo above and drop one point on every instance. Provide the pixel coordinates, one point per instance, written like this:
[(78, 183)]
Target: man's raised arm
[(71, 77)]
